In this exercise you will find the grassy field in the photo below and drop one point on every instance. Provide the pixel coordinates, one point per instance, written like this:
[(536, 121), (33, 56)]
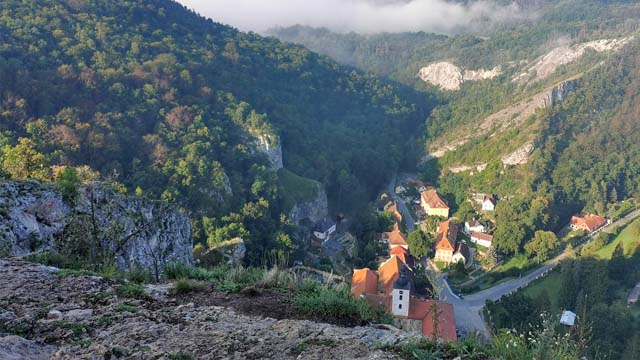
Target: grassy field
[(551, 283), (516, 262), (629, 237), (295, 189)]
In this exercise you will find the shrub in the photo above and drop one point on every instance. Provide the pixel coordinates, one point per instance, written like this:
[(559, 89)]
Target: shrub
[(239, 277), (185, 286), (278, 278), (336, 304), (134, 291), (53, 259), (138, 275), (126, 308), (180, 356), (175, 271)]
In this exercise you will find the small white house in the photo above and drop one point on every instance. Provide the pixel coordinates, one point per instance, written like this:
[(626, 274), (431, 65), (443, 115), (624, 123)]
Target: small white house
[(474, 225), (568, 318), (325, 228), (489, 203), (481, 239)]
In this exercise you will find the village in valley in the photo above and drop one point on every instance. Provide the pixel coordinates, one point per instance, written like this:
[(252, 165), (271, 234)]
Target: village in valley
[(427, 256)]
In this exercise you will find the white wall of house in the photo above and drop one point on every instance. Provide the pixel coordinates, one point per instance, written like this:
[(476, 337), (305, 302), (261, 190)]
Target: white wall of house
[(478, 228), (400, 302), (488, 206), (457, 257), (481, 242)]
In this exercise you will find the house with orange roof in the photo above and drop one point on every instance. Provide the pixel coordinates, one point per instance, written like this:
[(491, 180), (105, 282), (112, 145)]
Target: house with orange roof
[(431, 318), (403, 254), (392, 288), (388, 273), (588, 222), (364, 281), (446, 241), (396, 238), (433, 204)]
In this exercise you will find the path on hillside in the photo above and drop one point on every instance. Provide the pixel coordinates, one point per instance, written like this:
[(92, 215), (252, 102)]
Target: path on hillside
[(409, 222), (468, 309)]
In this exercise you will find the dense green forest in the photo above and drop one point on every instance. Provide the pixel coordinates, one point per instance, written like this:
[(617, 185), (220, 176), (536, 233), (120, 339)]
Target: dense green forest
[(170, 104)]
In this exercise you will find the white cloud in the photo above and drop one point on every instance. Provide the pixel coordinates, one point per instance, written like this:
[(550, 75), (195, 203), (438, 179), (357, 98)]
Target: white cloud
[(364, 16)]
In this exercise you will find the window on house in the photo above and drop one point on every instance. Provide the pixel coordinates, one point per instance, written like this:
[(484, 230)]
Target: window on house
[(400, 297), (399, 306), (401, 292)]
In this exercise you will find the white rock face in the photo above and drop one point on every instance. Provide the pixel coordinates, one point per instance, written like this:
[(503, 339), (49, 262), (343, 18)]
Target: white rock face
[(149, 234), (520, 156), (449, 76), (272, 148), (463, 168), (547, 64)]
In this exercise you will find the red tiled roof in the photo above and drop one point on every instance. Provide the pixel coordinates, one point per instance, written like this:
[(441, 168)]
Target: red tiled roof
[(434, 200), (388, 272), (396, 238), (364, 281), (425, 310), (447, 235), (589, 222), (402, 254)]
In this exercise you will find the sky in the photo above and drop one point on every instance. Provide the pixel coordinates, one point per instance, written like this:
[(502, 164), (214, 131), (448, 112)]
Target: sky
[(363, 16)]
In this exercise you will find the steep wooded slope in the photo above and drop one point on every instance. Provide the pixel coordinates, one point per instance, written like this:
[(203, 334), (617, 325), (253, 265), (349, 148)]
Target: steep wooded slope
[(157, 97)]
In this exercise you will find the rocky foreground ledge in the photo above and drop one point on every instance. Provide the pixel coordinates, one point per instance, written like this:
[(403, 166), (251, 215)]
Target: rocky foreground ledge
[(44, 315)]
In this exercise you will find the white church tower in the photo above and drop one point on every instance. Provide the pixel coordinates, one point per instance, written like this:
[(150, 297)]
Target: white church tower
[(401, 294)]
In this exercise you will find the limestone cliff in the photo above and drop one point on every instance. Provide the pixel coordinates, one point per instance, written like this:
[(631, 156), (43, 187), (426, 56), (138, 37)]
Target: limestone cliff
[(449, 76), (138, 232), (272, 148), (313, 209)]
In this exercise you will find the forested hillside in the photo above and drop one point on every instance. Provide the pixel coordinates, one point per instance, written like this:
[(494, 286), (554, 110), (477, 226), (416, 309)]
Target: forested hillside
[(555, 131), (172, 106)]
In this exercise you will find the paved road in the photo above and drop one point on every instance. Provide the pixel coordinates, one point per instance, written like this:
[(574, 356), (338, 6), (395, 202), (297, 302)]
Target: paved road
[(402, 207), (468, 310)]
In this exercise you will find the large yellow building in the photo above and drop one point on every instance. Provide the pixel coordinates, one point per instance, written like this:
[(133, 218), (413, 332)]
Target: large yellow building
[(433, 204)]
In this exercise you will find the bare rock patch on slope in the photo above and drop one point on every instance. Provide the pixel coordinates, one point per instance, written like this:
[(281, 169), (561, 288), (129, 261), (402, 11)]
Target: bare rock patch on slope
[(449, 76)]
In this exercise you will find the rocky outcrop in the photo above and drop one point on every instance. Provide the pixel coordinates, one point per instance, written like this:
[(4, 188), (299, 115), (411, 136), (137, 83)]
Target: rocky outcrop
[(138, 232), (231, 251), (272, 148), (547, 64), (119, 327), (520, 156), (313, 210), (17, 348), (558, 93), (449, 76), (463, 168)]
